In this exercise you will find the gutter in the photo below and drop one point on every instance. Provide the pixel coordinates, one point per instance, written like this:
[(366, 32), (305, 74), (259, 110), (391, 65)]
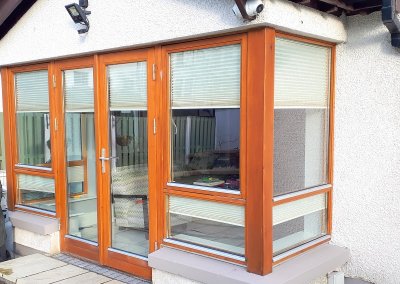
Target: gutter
[(391, 19)]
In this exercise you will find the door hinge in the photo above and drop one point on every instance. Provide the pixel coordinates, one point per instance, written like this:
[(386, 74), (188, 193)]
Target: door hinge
[(154, 126), (54, 81), (55, 124), (154, 72)]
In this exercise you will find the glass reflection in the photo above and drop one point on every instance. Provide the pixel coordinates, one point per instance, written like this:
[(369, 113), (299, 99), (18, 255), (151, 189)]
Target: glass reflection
[(205, 147)]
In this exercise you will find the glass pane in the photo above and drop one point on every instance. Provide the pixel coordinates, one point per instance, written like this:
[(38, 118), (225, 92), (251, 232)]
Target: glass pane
[(81, 153), (299, 222), (209, 224), (129, 170), (301, 127), (36, 192), (205, 124), (33, 120)]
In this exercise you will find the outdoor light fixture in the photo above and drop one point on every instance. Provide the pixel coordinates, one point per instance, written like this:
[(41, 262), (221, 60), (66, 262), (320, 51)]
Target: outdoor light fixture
[(78, 14)]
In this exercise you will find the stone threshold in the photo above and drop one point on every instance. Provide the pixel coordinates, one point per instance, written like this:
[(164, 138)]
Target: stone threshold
[(62, 269)]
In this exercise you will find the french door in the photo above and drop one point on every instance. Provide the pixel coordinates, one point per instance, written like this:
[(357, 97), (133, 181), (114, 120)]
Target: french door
[(106, 129)]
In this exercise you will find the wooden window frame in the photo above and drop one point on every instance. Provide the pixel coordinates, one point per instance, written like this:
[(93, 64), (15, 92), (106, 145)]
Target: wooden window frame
[(167, 188), (323, 188), (11, 145), (165, 115), (256, 143)]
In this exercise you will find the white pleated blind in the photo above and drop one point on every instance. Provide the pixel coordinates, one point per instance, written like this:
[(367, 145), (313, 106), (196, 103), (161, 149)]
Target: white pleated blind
[(35, 183), (76, 174), (32, 91), (206, 78), (292, 210), (78, 90), (127, 86), (208, 210), (302, 75)]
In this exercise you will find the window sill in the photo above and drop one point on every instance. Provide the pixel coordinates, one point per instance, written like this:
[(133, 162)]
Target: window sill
[(34, 223), (301, 269)]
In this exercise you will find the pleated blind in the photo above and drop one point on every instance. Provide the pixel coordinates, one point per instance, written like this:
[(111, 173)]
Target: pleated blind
[(208, 210), (78, 90), (76, 174), (292, 210), (127, 86), (32, 91), (35, 183), (302, 75), (206, 78)]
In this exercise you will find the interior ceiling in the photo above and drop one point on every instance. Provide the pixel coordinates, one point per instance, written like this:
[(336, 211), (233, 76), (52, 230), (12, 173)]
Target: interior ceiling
[(348, 7)]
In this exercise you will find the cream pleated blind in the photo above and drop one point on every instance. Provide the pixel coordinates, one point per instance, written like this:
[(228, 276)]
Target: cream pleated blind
[(76, 174), (302, 75), (208, 210), (127, 86), (35, 183), (292, 210), (32, 91), (78, 90), (206, 78)]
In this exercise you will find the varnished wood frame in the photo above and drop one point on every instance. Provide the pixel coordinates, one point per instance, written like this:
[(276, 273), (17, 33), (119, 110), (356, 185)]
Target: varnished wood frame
[(72, 245), (258, 200), (9, 103), (121, 261), (164, 126), (165, 105), (260, 162), (329, 189)]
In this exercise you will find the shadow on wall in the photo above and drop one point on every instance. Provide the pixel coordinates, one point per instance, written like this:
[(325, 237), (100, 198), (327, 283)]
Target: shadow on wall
[(222, 9), (355, 281)]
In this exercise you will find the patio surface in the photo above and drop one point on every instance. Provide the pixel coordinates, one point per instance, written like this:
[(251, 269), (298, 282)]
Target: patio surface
[(63, 269)]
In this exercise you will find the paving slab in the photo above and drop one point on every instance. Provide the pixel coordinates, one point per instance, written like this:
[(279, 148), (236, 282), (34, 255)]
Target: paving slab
[(29, 265), (53, 275), (41, 269), (87, 278)]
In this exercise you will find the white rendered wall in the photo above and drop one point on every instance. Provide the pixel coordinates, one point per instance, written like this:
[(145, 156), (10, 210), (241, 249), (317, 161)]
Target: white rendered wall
[(47, 31), (367, 151)]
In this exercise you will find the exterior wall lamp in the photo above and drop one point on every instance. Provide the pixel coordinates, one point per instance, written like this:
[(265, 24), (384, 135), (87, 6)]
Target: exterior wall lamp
[(79, 14)]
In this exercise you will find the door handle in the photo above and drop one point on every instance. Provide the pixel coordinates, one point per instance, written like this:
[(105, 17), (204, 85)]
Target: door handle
[(103, 159)]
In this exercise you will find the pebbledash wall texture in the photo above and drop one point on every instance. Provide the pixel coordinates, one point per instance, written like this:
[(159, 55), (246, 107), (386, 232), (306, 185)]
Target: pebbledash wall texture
[(47, 31), (367, 151), (367, 111)]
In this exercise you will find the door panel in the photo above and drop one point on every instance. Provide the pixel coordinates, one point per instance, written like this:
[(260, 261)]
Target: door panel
[(127, 126), (107, 148), (127, 93), (80, 151), (77, 148)]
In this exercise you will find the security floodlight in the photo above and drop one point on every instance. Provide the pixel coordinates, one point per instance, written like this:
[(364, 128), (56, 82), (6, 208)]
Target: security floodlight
[(78, 14)]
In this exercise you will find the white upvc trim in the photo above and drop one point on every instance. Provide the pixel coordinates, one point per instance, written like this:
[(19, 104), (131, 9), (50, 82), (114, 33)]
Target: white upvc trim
[(128, 253), (301, 192), (203, 188), (22, 166), (18, 206), (200, 248), (82, 240), (300, 248)]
